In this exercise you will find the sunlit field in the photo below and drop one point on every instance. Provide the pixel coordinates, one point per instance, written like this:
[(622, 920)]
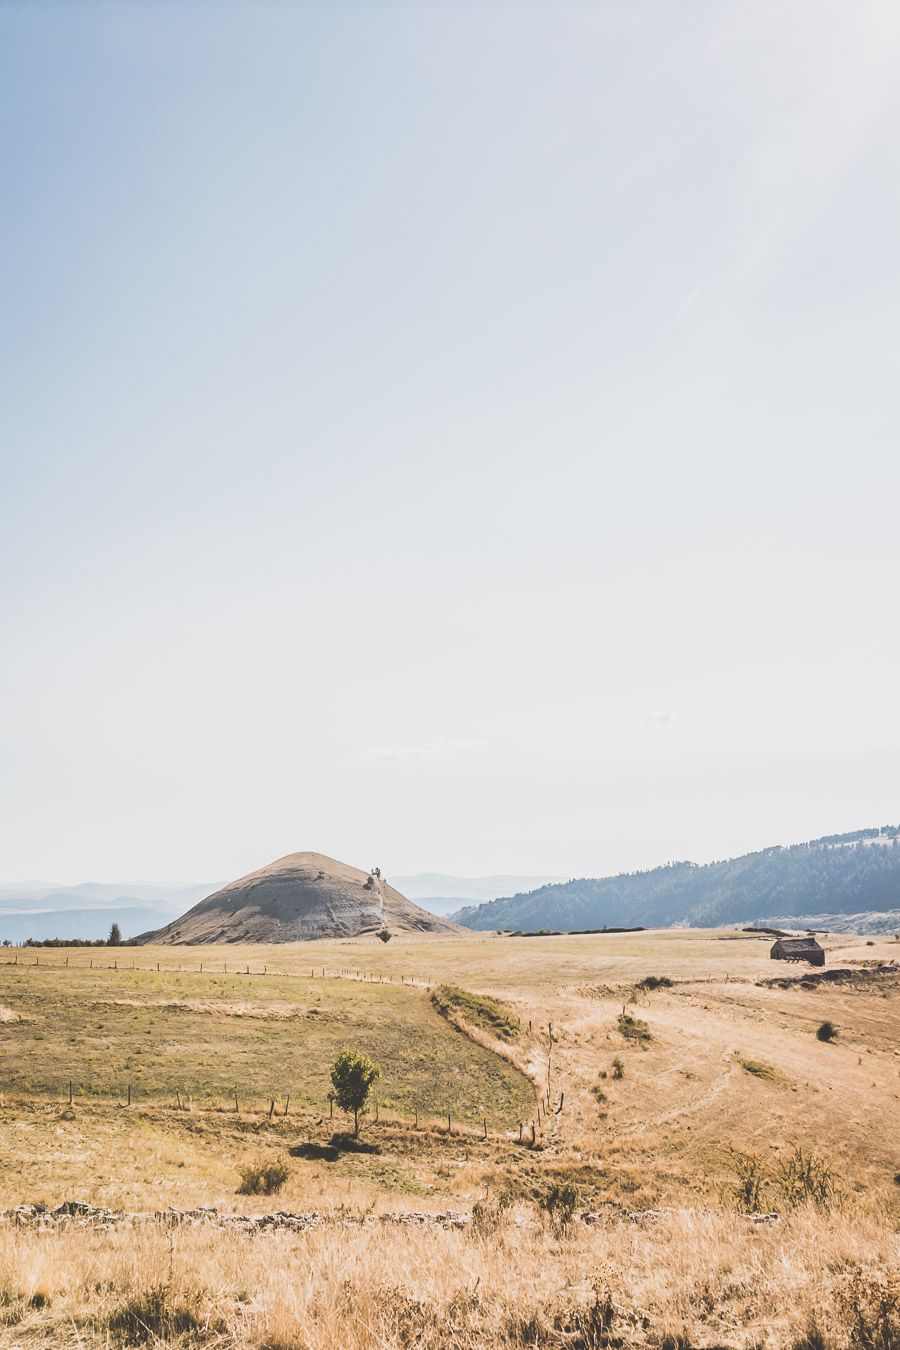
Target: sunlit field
[(636, 1072)]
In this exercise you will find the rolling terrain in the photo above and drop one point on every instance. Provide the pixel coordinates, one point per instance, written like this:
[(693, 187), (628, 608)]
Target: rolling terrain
[(839, 874), (716, 1062)]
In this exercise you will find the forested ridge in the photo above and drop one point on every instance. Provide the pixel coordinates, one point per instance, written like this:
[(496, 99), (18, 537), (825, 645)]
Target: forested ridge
[(837, 874)]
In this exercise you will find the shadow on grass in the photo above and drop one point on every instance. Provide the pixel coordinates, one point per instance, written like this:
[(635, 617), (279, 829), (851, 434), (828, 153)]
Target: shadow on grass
[(340, 1143)]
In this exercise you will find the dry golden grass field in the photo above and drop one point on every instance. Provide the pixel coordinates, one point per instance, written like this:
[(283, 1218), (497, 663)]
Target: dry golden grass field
[(690, 1099)]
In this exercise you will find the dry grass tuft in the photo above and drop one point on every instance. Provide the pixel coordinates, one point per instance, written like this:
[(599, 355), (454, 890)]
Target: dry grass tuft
[(698, 1279)]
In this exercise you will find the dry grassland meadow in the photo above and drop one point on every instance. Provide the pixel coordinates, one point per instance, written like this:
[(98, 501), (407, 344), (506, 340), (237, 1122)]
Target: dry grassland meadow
[(680, 1163)]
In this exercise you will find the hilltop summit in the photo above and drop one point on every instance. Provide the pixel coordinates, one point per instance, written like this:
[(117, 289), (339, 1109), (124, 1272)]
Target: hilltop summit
[(298, 897)]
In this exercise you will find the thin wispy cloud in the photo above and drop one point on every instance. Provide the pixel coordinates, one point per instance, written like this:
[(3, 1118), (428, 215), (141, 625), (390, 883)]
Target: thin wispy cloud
[(659, 717), (431, 751), (688, 303)]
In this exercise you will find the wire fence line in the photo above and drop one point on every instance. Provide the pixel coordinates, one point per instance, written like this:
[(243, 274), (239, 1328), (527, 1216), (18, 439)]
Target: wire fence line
[(23, 959), (448, 1122), (257, 1110)]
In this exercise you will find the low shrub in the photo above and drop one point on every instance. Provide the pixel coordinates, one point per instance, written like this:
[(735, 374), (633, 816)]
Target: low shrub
[(651, 982), (758, 1069), (491, 1214), (826, 1031), (750, 1183), (618, 1068), (805, 1179), (633, 1029), (560, 1202), (263, 1177), (158, 1316), (478, 1010), (869, 1304)]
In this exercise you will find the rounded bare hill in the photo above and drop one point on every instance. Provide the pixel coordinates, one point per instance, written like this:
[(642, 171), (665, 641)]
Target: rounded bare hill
[(301, 896)]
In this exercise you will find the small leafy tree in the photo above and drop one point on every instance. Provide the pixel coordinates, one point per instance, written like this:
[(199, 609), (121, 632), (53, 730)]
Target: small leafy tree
[(115, 936), (352, 1077)]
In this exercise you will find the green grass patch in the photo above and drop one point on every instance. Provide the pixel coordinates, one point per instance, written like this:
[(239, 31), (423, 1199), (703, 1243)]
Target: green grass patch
[(478, 1010), (760, 1070), (206, 1035)]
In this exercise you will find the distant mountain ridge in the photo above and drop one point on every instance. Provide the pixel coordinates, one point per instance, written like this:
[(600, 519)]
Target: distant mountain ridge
[(87, 924), (45, 909), (442, 894), (850, 873)]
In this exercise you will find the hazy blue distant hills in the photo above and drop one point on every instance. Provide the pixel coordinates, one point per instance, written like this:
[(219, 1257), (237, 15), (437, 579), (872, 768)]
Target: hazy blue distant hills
[(44, 909), (169, 895), (89, 924), (443, 894), (838, 874)]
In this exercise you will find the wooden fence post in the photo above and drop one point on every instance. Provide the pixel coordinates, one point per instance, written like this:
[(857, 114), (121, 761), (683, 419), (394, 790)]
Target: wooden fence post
[(70, 1092), (129, 1094), (449, 1126), (520, 1131), (237, 1109), (287, 1103), (485, 1128), (272, 1109)]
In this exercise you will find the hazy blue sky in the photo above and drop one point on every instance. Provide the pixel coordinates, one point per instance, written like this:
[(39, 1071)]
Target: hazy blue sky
[(446, 436)]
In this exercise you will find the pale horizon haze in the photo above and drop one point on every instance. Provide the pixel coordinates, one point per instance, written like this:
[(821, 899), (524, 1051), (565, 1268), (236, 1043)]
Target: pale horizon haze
[(449, 437)]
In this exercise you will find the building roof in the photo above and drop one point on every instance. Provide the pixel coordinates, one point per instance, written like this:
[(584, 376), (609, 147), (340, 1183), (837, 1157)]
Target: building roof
[(798, 944)]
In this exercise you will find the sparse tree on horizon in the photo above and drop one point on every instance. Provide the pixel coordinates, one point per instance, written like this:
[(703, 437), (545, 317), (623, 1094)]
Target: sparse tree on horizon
[(115, 936)]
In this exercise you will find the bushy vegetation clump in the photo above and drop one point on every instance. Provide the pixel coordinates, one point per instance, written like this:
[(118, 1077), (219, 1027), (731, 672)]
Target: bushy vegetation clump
[(633, 1029), (759, 1070), (263, 1177), (491, 1215), (826, 1031), (560, 1202), (489, 1014), (801, 1179)]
